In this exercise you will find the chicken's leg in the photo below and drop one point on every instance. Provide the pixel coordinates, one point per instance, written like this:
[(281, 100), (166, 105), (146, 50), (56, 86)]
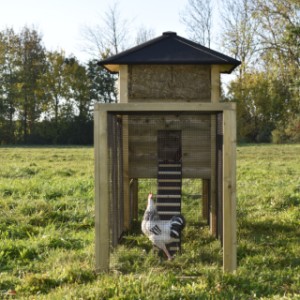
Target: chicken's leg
[(164, 248)]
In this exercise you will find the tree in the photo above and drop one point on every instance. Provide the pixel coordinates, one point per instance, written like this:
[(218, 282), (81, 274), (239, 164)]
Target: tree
[(239, 33), (102, 83), (259, 106), (33, 65), (143, 35), (10, 65), (78, 88), (279, 39), (197, 18), (112, 35), (54, 83)]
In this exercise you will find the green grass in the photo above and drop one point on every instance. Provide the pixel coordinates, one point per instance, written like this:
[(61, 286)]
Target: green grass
[(47, 233)]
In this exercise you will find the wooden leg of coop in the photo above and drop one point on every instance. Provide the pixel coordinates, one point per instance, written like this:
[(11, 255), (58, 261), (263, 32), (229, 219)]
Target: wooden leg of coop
[(205, 196), (134, 197), (213, 196), (229, 191), (126, 193), (101, 192)]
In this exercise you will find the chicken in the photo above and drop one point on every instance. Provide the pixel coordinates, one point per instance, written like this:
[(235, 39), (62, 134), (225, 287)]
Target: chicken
[(160, 232)]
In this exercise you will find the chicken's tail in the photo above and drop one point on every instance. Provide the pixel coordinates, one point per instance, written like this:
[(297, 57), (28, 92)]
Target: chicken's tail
[(177, 225)]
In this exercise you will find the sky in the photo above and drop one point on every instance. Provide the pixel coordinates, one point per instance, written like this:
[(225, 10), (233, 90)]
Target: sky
[(61, 22)]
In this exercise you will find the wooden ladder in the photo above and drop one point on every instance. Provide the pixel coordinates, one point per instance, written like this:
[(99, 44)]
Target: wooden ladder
[(169, 182)]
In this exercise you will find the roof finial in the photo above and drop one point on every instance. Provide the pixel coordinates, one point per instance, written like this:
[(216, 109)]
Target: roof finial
[(169, 33)]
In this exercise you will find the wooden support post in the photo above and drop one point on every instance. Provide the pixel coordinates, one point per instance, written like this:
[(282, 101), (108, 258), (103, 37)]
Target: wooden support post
[(113, 175), (126, 193), (123, 98), (229, 191), (213, 193), (102, 239), (205, 202), (215, 99), (134, 197)]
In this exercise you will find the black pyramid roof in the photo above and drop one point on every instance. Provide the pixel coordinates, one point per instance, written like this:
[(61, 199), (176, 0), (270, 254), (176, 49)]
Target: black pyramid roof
[(169, 48)]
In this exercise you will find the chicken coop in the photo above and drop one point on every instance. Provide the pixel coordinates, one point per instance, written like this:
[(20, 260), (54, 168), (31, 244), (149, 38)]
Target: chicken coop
[(168, 124)]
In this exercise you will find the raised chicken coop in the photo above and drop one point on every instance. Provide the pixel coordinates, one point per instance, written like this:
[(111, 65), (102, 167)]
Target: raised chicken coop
[(168, 125)]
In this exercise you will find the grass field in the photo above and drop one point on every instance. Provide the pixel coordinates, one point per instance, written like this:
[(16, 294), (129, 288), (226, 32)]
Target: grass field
[(47, 233)]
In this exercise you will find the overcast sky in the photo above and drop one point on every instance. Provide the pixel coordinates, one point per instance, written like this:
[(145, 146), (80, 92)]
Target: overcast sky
[(61, 21)]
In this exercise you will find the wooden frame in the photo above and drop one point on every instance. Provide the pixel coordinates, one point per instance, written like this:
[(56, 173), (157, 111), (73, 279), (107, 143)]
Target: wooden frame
[(102, 230)]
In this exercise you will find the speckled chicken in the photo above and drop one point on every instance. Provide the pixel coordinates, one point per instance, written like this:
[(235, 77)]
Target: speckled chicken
[(159, 232)]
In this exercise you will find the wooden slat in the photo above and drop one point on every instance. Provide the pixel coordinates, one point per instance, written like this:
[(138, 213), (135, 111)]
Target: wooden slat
[(151, 172), (169, 213), (169, 180), (169, 204), (169, 188), (199, 160)]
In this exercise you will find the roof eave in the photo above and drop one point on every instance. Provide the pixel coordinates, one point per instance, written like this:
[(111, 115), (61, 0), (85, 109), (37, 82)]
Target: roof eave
[(226, 68)]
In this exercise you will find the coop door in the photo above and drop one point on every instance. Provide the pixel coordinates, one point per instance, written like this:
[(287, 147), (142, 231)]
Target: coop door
[(169, 145)]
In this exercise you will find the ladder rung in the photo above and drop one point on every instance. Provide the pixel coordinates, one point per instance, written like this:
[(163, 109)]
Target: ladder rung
[(169, 180), (168, 196), (169, 188), (173, 213), (168, 204), (170, 165), (169, 172)]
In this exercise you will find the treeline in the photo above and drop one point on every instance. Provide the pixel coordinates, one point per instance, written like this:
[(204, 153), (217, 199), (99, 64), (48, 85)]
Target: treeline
[(46, 97)]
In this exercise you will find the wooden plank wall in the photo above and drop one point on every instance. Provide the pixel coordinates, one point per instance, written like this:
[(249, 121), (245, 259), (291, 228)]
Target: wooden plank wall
[(195, 144)]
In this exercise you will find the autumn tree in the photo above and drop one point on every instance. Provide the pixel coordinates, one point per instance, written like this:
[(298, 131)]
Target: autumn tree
[(10, 82), (33, 64), (54, 83), (279, 38)]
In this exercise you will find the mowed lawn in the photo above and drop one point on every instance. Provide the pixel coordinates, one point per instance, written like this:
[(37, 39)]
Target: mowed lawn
[(47, 233)]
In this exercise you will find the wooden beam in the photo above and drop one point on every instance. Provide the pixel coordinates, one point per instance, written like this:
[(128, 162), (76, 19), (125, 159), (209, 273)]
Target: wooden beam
[(102, 239), (124, 108), (123, 98), (229, 191)]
